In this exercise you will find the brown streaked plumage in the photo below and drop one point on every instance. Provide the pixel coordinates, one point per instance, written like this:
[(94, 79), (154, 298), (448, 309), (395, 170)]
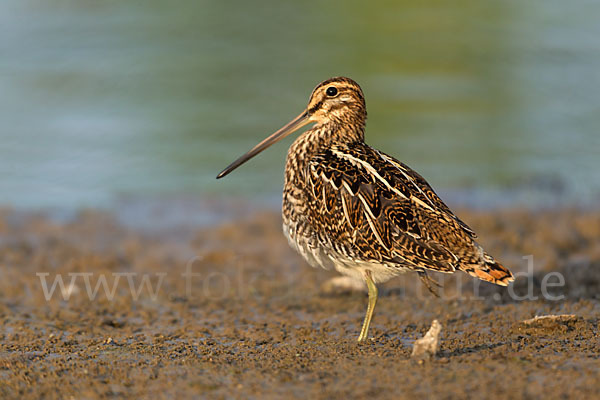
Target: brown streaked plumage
[(352, 208)]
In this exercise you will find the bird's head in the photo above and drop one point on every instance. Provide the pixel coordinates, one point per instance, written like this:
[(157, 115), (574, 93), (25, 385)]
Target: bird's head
[(336, 101)]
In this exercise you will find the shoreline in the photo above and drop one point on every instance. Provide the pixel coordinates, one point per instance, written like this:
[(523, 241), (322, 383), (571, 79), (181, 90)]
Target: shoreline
[(195, 211)]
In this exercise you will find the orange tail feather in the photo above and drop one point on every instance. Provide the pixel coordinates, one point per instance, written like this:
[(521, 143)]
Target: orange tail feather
[(492, 271)]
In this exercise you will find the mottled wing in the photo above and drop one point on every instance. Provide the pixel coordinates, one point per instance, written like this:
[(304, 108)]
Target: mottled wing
[(360, 199), (423, 191)]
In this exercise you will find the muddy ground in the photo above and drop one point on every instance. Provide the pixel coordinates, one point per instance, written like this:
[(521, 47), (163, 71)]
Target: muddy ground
[(230, 311)]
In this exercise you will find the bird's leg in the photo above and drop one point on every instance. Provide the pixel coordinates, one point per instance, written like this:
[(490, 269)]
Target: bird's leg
[(364, 332), (427, 281)]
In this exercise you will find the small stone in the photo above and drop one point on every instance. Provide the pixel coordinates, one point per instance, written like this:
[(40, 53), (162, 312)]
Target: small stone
[(549, 324), (426, 347), (544, 320)]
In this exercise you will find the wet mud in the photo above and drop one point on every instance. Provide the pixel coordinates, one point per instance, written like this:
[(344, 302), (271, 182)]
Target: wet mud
[(230, 311)]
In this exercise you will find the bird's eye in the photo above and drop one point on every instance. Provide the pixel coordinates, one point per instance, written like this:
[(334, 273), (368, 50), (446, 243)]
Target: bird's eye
[(332, 91)]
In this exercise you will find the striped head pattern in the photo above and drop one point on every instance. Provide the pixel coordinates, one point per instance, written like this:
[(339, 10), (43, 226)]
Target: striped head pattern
[(337, 100)]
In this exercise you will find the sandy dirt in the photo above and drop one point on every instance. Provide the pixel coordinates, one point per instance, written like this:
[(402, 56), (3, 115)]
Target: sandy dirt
[(230, 311)]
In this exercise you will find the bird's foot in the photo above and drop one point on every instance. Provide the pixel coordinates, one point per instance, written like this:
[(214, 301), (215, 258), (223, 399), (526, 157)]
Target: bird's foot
[(429, 283)]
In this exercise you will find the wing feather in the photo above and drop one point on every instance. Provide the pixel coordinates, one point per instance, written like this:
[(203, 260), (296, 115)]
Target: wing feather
[(384, 216)]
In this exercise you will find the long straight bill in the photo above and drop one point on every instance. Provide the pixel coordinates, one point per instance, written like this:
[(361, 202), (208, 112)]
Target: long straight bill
[(292, 126)]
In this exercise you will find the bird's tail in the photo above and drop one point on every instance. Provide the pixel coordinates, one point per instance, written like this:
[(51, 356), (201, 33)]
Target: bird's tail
[(489, 270)]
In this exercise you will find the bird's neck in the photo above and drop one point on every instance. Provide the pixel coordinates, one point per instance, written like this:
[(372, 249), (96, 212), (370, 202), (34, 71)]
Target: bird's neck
[(320, 138), (323, 136)]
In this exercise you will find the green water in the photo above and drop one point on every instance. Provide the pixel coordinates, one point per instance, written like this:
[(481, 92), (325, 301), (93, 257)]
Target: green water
[(102, 99)]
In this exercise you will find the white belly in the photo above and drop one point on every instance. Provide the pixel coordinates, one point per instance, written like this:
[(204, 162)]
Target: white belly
[(318, 255)]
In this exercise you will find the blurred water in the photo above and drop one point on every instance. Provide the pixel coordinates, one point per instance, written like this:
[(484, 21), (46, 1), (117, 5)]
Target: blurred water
[(487, 99)]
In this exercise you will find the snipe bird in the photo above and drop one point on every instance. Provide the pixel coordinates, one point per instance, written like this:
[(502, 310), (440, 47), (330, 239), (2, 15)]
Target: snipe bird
[(355, 209)]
